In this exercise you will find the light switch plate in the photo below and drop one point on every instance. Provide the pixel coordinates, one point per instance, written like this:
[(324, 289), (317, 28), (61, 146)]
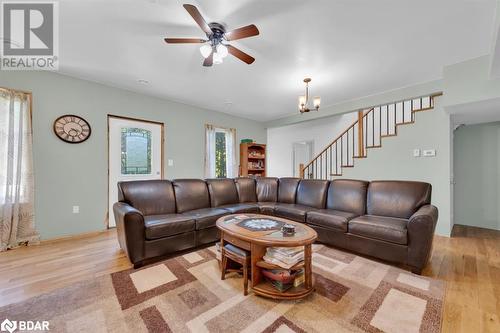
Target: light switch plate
[(416, 152), (170, 162), (429, 152), (76, 209)]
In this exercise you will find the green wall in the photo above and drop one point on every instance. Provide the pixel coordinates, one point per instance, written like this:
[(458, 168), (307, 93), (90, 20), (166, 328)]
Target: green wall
[(68, 174), (477, 175), (431, 130)]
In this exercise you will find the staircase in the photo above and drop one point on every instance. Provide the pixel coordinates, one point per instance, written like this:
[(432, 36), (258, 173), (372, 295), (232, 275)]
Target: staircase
[(365, 133)]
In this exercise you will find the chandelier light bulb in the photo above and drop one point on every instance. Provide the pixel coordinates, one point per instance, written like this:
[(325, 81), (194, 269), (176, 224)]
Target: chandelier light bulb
[(317, 102), (205, 50), (222, 50), (302, 100)]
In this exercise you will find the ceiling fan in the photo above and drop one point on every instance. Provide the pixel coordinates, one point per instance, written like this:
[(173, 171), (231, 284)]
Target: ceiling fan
[(215, 47)]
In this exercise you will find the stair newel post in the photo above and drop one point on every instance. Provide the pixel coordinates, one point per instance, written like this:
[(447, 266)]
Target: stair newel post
[(361, 148), (301, 170)]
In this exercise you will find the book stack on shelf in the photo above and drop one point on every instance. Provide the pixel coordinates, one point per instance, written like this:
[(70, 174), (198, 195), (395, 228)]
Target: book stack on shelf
[(284, 279), (285, 257), (257, 165), (290, 273)]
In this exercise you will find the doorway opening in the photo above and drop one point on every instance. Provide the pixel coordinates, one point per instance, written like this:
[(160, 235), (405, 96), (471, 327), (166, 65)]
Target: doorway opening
[(302, 154)]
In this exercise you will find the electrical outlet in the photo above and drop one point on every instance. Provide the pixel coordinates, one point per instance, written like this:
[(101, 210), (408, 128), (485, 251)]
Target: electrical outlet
[(76, 209), (170, 162), (416, 152)]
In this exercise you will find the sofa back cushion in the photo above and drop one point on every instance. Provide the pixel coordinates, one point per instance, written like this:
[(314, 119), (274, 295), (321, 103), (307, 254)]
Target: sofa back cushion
[(151, 197), (287, 190), (397, 198), (191, 194), (222, 192), (347, 195), (267, 189), (312, 192), (246, 189)]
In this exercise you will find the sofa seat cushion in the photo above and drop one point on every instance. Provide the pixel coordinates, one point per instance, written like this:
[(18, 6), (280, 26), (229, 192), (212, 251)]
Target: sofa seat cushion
[(241, 208), (388, 229), (330, 218), (159, 226), (206, 217), (293, 212), (267, 208)]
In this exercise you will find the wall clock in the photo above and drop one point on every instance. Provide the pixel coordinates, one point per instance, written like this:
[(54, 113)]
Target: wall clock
[(72, 129)]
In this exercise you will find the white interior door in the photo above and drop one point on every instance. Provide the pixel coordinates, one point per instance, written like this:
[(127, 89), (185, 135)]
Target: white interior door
[(302, 154), (135, 153)]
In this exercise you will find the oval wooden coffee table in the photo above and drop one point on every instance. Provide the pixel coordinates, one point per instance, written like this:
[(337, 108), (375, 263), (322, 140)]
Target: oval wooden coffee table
[(257, 241)]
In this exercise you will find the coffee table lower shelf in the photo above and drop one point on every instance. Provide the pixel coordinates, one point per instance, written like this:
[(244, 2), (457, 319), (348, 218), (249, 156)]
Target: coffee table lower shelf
[(265, 288)]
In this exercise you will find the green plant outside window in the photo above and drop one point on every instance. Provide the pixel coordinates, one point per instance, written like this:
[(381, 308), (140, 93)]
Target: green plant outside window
[(220, 155)]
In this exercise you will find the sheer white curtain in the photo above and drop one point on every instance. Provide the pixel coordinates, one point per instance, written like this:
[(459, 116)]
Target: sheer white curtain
[(209, 151), (16, 171), (231, 164)]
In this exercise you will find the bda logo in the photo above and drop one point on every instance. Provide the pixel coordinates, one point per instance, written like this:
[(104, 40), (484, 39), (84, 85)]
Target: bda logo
[(8, 325)]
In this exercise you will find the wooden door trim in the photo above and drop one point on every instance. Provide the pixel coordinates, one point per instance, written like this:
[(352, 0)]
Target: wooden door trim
[(162, 148)]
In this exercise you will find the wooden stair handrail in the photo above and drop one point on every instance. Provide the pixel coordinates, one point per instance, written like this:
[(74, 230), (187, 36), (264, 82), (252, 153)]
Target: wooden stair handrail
[(334, 141), (362, 139)]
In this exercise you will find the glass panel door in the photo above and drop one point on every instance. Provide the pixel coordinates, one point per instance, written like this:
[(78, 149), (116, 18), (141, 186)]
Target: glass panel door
[(134, 153)]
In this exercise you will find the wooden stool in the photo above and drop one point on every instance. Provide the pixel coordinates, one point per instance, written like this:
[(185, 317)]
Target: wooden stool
[(239, 256)]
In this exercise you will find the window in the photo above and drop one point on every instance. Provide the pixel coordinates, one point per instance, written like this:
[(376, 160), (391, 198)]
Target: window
[(135, 151), (220, 158), (220, 155)]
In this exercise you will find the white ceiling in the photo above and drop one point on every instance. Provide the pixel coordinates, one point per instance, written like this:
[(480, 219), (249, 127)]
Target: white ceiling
[(350, 48)]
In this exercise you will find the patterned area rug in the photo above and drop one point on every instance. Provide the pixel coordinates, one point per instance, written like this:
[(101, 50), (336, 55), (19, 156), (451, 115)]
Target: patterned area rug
[(186, 294)]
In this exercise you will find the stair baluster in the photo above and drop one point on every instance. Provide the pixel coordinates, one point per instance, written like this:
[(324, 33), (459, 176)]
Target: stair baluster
[(366, 132)]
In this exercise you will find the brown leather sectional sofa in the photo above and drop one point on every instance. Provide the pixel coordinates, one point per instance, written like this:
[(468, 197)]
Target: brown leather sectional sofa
[(390, 220)]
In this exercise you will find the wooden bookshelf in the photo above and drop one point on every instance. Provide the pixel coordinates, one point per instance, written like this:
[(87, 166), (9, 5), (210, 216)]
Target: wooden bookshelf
[(252, 159), (265, 288), (267, 265)]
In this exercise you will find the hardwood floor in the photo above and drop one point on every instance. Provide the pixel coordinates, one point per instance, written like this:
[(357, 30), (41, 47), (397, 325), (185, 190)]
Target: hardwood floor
[(469, 261), (29, 271)]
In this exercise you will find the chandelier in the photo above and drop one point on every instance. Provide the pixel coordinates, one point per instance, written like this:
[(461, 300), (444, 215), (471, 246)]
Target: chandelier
[(304, 100)]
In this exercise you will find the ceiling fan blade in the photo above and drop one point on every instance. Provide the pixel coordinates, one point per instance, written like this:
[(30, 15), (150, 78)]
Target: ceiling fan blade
[(209, 60), (185, 40), (243, 32), (240, 54), (195, 14)]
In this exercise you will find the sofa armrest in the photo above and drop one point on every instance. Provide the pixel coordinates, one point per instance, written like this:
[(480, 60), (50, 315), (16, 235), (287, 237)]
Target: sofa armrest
[(131, 231), (421, 228)]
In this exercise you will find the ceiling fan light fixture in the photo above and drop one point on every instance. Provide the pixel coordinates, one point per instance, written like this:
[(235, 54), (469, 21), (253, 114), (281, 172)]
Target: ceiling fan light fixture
[(205, 50), (222, 50), (213, 50), (217, 58)]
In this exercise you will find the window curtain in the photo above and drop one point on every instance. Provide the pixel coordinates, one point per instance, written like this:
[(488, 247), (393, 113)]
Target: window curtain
[(231, 163), (209, 151), (16, 171)]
